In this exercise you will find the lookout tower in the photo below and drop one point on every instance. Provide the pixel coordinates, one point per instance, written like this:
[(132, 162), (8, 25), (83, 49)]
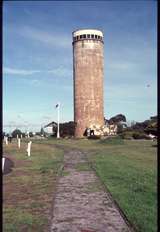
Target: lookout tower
[(88, 79)]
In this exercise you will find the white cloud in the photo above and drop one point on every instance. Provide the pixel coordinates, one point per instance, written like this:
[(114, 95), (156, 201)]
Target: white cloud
[(23, 72), (52, 39), (57, 71), (61, 71)]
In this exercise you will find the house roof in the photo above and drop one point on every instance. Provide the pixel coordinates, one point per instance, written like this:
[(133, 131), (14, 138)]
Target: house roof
[(51, 124)]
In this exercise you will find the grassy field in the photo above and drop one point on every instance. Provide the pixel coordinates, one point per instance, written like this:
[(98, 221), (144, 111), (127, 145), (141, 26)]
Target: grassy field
[(129, 172), (127, 168), (28, 189)]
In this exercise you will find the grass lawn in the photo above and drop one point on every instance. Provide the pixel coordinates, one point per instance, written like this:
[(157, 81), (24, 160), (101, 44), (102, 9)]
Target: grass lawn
[(129, 170), (28, 189)]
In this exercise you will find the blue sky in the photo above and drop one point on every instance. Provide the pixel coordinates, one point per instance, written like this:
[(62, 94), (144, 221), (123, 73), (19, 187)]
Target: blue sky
[(37, 58)]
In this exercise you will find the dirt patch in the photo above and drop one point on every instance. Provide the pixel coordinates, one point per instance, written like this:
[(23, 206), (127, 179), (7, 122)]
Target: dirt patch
[(27, 197), (81, 203), (8, 165), (11, 162)]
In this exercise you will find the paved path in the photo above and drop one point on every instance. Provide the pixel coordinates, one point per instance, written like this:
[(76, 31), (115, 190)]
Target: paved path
[(81, 204)]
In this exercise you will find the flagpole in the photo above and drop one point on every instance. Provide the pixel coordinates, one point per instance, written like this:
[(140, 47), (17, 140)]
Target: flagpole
[(58, 136)]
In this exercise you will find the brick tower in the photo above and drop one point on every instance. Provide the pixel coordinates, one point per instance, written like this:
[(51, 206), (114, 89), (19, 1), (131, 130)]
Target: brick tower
[(88, 79)]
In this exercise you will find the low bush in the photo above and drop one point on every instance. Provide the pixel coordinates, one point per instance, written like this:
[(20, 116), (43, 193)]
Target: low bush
[(127, 135), (134, 134), (112, 140), (139, 135)]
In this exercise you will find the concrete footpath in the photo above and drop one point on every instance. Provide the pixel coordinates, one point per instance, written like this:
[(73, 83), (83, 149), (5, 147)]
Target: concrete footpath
[(81, 204)]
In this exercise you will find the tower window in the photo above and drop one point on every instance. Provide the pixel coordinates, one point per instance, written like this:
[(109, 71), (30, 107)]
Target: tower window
[(95, 36), (81, 36), (84, 36), (92, 36), (88, 36), (99, 37)]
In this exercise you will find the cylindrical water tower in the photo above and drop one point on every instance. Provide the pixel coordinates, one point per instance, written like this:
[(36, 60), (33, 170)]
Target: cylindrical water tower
[(88, 79)]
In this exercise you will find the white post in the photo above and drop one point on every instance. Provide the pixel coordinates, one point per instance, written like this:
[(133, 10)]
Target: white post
[(58, 136), (21, 136), (29, 148), (17, 136), (6, 139), (19, 143), (3, 162)]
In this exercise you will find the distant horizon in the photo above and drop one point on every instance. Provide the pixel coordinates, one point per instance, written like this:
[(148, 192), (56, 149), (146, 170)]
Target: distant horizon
[(37, 58), (30, 127)]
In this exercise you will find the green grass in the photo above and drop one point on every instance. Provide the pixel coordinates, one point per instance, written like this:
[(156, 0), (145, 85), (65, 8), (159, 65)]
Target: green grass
[(20, 220), (129, 170), (28, 201)]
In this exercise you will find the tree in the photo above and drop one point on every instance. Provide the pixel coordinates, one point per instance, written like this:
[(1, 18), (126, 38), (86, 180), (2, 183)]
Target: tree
[(119, 128), (16, 132), (116, 119), (30, 134), (42, 132)]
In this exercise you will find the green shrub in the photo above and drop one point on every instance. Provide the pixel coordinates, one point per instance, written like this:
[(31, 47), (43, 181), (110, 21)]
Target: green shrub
[(119, 128), (139, 135), (127, 135), (112, 140)]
